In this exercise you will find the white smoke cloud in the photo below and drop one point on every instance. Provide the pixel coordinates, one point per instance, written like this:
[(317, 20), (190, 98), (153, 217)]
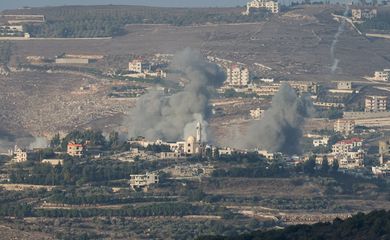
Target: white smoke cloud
[(340, 30), (39, 142)]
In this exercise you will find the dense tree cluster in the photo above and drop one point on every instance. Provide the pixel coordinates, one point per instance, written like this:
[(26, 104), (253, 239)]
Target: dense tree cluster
[(375, 225), (73, 172), (155, 209), (105, 21)]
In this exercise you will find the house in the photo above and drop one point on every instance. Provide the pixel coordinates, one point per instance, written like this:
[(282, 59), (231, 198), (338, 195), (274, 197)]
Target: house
[(143, 181), (139, 66), (20, 155), (169, 155), (53, 162), (321, 141), (361, 14), (237, 76), (257, 113), (375, 104), (271, 6), (344, 126), (75, 149), (345, 146)]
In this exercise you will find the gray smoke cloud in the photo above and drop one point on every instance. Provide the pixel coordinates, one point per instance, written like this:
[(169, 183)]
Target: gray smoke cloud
[(171, 118), (39, 142), (340, 30), (280, 129)]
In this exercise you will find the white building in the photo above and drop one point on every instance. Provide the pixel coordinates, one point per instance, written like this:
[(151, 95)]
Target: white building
[(20, 155), (344, 85), (363, 14), (257, 113), (139, 66), (381, 75), (272, 6), (143, 180), (344, 126), (375, 104), (237, 76), (53, 162), (321, 141)]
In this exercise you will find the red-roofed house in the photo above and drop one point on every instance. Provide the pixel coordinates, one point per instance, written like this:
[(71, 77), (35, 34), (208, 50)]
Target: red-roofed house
[(75, 149)]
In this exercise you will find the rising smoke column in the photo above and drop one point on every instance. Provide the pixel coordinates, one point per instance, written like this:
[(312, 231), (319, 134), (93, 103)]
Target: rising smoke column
[(280, 129), (171, 118), (340, 30)]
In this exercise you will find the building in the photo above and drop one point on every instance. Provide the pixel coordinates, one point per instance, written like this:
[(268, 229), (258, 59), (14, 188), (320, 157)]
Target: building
[(349, 154), (375, 104), (72, 61), (53, 162), (226, 151), (237, 76), (271, 6), (75, 149), (344, 85), (321, 141), (169, 155), (345, 146), (139, 66), (194, 145), (20, 155), (344, 126), (384, 150), (143, 181), (257, 113), (303, 86), (363, 14), (381, 75)]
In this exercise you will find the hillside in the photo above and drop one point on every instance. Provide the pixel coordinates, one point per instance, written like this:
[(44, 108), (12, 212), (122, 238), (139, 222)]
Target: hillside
[(375, 225)]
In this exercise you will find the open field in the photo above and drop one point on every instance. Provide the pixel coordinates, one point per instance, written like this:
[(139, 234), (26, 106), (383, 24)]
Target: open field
[(295, 45)]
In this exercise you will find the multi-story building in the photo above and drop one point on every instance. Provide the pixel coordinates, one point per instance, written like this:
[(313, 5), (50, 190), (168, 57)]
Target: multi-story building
[(272, 6), (382, 75), (303, 86), (139, 66), (363, 14), (143, 180), (20, 155), (348, 153), (384, 150), (345, 146), (344, 126), (237, 76), (75, 149), (375, 104)]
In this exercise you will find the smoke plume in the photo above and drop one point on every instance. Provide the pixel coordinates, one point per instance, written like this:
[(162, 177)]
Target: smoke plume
[(340, 30), (39, 142), (280, 130), (173, 117)]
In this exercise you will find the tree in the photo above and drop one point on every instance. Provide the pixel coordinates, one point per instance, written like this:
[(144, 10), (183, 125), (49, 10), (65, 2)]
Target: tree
[(335, 165), (309, 166), (325, 165)]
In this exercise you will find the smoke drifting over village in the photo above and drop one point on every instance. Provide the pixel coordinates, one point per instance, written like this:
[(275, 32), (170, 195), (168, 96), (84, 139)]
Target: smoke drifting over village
[(280, 130), (172, 118)]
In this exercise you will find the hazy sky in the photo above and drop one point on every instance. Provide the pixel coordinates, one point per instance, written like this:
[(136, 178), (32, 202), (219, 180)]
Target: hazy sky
[(11, 4)]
